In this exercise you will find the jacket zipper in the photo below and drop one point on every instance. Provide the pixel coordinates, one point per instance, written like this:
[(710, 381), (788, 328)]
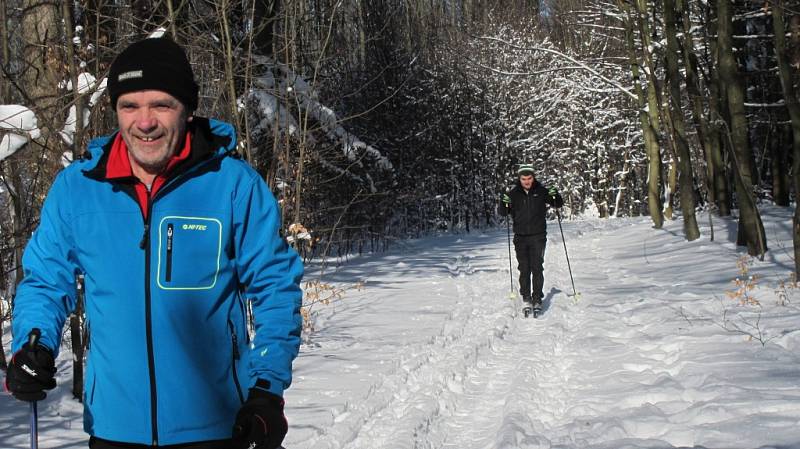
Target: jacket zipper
[(145, 245), (235, 343), (149, 320), (170, 232)]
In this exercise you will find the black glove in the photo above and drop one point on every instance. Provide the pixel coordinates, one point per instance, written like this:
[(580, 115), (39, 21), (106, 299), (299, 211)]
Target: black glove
[(32, 370), (260, 423)]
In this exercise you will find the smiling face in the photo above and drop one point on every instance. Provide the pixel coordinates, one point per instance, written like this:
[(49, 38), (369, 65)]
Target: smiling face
[(153, 126)]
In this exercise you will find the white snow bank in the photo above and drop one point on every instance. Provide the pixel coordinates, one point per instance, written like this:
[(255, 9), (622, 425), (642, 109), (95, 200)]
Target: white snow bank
[(22, 126)]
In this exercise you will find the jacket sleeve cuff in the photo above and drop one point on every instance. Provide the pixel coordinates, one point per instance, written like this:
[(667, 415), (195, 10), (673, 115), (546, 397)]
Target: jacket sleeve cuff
[(266, 385), (261, 391), (46, 341)]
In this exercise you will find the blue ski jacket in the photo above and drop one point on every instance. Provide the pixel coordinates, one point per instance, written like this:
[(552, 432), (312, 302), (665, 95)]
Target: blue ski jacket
[(169, 359)]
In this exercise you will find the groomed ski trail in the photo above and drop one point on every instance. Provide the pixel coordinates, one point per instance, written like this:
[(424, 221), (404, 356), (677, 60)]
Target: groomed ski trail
[(520, 388), (474, 384), (413, 387), (518, 392)]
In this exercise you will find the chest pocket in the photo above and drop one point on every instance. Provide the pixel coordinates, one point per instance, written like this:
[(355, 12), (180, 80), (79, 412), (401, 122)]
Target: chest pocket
[(189, 251)]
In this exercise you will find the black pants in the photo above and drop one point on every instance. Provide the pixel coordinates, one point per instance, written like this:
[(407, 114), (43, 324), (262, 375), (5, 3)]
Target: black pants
[(99, 443), (530, 256)]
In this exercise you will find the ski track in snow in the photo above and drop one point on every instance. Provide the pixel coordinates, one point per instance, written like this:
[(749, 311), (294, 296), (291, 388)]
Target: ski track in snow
[(492, 379), (475, 383), (412, 390)]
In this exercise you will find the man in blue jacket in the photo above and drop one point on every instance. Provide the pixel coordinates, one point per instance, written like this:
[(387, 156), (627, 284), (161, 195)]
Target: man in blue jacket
[(527, 204), (174, 235)]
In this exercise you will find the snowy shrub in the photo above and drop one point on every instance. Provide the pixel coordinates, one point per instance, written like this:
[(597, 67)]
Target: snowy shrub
[(316, 293), (752, 317), (745, 283)]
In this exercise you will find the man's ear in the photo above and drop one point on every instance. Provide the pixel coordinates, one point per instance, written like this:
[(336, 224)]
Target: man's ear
[(189, 119)]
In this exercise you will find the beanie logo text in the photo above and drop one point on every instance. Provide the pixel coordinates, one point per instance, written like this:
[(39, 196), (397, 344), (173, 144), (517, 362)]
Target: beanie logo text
[(129, 75)]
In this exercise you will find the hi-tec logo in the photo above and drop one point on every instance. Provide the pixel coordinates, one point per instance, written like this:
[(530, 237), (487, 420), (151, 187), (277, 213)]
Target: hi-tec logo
[(194, 227)]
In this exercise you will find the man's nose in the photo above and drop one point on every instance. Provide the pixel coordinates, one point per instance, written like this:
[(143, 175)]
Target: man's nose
[(146, 122)]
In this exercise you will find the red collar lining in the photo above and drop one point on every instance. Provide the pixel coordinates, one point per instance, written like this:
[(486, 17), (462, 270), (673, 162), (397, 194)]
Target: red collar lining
[(119, 167), (119, 164)]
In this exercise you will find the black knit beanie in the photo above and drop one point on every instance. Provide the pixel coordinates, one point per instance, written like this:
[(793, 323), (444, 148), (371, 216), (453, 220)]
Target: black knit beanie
[(154, 63)]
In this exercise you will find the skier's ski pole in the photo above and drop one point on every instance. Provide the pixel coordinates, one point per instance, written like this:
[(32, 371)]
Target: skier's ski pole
[(510, 272), (558, 214), (33, 341), (34, 426)]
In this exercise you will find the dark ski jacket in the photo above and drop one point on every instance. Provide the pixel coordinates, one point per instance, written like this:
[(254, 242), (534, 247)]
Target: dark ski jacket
[(169, 360), (528, 209)]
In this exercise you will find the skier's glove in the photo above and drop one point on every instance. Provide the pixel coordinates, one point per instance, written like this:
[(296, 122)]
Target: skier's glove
[(553, 191), (260, 423), (506, 199), (32, 371)]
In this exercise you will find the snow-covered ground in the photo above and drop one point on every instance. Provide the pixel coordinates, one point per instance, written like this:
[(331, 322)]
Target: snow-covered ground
[(432, 353)]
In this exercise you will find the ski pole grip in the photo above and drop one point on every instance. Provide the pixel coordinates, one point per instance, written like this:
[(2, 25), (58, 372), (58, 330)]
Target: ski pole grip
[(33, 338)]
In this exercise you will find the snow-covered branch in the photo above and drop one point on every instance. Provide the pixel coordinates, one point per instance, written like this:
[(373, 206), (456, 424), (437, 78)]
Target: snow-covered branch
[(275, 113), (580, 64)]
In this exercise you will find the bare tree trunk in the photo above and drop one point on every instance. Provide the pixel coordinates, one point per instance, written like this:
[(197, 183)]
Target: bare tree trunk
[(792, 105), (264, 19), (289, 52), (77, 97), (779, 165), (648, 130), (751, 227), (696, 96), (362, 34), (223, 9), (690, 228), (40, 76), (653, 108), (672, 183), (623, 184), (5, 88), (722, 196), (172, 20)]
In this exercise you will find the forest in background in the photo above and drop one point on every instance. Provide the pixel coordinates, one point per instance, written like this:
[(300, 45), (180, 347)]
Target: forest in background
[(378, 120)]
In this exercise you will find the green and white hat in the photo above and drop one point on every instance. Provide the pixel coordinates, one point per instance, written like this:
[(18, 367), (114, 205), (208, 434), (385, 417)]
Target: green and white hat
[(525, 169)]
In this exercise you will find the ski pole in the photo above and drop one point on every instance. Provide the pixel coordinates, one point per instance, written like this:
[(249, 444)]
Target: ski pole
[(33, 341), (510, 271), (558, 214), (34, 426)]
